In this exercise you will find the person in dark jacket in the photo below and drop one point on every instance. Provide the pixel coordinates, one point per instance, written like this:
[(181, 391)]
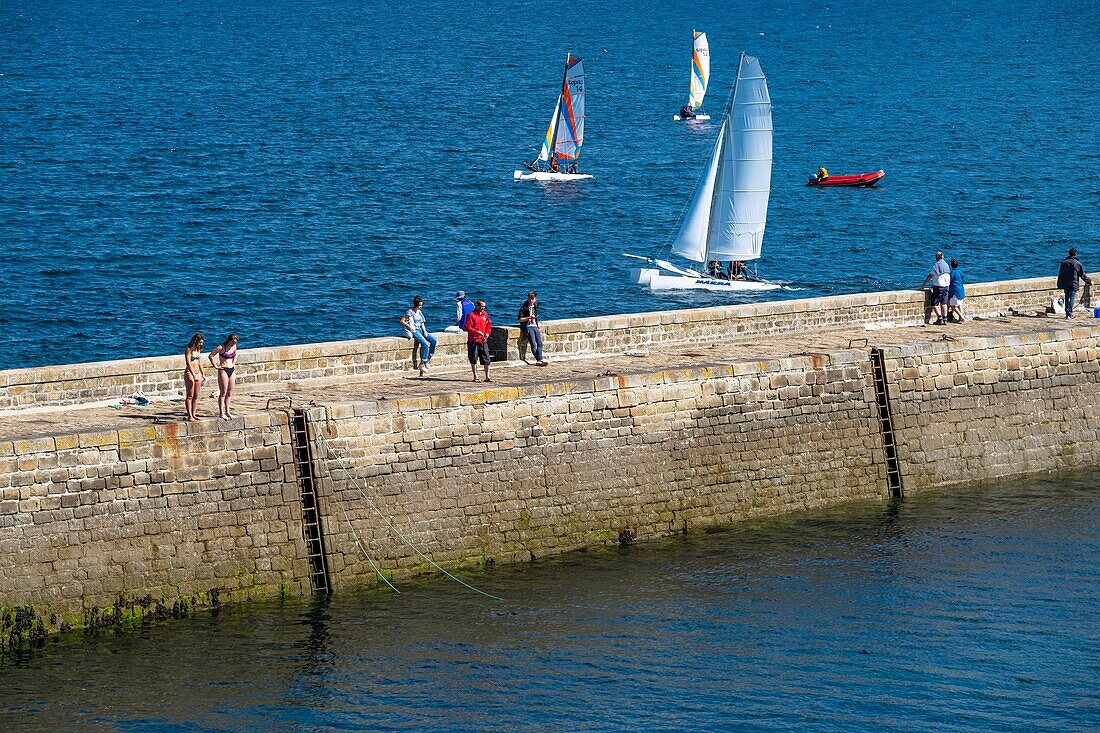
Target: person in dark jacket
[(529, 325), (1069, 273)]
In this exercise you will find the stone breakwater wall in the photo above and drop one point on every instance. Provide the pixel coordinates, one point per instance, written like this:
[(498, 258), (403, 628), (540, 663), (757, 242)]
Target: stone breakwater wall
[(58, 386), (972, 410), (103, 526), (516, 473)]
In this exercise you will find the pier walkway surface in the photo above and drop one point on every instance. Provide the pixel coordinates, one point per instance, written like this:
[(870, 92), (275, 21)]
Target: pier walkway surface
[(248, 399)]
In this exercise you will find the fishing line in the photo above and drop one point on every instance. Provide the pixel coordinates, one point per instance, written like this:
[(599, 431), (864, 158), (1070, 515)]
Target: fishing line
[(329, 452), (358, 541)]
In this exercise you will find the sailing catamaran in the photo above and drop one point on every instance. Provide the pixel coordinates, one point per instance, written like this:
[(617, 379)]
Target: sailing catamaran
[(700, 75), (561, 148), (729, 209)]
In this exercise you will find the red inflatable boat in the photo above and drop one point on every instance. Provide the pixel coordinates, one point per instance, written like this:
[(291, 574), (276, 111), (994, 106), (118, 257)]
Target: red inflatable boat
[(863, 179)]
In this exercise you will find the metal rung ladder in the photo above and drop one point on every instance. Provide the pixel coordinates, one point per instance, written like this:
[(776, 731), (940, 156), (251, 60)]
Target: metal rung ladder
[(886, 424), (307, 489)]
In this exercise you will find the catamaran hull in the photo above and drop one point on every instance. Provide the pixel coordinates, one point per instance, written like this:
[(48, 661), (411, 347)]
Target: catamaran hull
[(547, 176), (699, 118), (656, 280)]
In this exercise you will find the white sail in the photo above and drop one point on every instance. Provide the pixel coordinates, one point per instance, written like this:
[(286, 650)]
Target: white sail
[(700, 69), (743, 182), (691, 241)]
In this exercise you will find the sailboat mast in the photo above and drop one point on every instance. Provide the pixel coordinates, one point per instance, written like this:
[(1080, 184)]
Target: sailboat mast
[(561, 98), (726, 118), (691, 75)]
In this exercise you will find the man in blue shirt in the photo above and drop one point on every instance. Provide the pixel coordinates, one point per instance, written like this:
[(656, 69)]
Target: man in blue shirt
[(956, 293), (463, 308)]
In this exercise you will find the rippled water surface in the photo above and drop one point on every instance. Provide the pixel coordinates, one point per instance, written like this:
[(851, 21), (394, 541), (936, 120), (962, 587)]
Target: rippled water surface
[(295, 172), (973, 611)]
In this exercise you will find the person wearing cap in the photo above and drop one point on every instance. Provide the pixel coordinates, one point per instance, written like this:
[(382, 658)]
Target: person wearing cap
[(479, 326), (529, 325), (463, 307)]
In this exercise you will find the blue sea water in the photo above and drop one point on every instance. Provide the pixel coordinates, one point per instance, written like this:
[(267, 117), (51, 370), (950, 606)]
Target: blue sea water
[(296, 172)]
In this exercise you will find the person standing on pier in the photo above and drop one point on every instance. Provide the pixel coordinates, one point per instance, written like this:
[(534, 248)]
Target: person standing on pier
[(479, 326), (529, 325), (940, 277), (193, 376), (1070, 272), (226, 364), (957, 293)]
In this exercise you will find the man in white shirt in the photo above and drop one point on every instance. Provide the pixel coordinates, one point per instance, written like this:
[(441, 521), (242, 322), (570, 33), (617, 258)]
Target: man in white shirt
[(940, 277)]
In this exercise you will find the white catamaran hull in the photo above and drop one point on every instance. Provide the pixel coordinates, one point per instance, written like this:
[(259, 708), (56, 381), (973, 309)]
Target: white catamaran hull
[(548, 176), (700, 118), (657, 280)]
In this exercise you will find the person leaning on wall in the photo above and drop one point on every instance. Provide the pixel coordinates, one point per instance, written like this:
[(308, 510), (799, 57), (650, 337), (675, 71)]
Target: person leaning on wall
[(529, 325), (1070, 273)]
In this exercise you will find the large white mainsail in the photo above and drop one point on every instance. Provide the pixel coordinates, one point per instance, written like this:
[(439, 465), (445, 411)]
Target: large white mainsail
[(700, 69), (729, 210)]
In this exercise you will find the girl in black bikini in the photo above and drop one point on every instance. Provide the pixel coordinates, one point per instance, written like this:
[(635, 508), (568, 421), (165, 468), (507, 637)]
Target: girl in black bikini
[(192, 376), (226, 365)]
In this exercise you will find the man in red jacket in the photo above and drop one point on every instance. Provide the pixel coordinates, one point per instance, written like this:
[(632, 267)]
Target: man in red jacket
[(478, 328)]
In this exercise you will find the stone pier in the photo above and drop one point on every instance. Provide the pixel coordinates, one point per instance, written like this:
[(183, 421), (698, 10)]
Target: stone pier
[(643, 425)]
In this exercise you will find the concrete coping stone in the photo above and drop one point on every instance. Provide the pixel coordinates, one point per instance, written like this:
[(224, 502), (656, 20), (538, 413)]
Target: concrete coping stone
[(604, 383), (981, 343)]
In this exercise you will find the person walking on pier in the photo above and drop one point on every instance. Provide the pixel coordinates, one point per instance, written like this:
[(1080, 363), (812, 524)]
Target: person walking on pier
[(956, 293), (529, 325), (226, 364), (416, 327), (193, 376), (940, 277), (1070, 272), (479, 326)]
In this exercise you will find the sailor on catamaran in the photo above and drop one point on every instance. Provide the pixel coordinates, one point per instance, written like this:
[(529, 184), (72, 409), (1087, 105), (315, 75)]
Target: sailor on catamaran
[(555, 167), (561, 146), (687, 112)]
